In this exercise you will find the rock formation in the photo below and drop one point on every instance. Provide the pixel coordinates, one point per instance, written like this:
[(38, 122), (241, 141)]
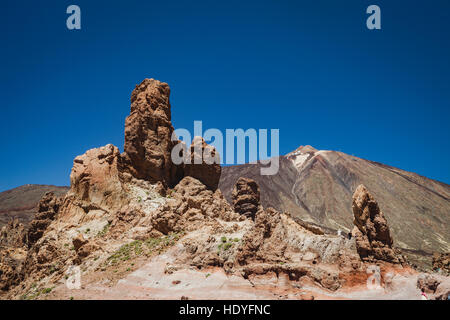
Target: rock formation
[(246, 197), (125, 210), (13, 234), (148, 133), (10, 265), (441, 261), (371, 231), (435, 286), (206, 170), (47, 209), (428, 283), (97, 176)]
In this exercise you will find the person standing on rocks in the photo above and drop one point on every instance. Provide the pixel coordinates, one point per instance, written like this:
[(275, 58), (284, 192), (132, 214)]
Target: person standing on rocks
[(423, 294)]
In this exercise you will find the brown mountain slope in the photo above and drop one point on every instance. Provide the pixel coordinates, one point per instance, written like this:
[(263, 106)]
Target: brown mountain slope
[(21, 202), (317, 186)]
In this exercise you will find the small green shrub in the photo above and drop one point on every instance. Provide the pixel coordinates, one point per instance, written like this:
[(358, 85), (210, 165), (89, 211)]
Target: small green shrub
[(104, 230), (47, 290)]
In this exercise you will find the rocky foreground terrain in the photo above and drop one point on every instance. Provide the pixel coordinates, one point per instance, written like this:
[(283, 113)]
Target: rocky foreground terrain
[(136, 226)]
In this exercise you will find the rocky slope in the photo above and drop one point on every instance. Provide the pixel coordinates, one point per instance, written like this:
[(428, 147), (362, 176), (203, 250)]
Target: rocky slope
[(135, 225), (21, 203), (317, 186)]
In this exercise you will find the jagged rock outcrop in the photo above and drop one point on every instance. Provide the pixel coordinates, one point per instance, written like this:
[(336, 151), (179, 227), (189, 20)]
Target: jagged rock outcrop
[(191, 203), (13, 244), (47, 209), (428, 283), (83, 248), (11, 261), (96, 177), (371, 231), (148, 133), (204, 163), (258, 242), (246, 197), (13, 235), (441, 261)]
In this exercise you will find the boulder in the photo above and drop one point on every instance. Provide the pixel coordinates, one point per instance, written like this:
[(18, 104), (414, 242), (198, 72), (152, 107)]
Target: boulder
[(428, 283), (441, 262)]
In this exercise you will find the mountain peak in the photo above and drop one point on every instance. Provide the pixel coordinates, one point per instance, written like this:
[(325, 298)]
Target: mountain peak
[(302, 150)]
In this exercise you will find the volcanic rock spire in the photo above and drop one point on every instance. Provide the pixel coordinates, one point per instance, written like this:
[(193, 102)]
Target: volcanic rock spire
[(148, 132), (246, 197), (373, 238)]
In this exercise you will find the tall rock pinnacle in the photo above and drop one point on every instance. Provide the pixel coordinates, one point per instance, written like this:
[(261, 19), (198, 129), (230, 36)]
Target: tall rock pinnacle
[(148, 132), (371, 231)]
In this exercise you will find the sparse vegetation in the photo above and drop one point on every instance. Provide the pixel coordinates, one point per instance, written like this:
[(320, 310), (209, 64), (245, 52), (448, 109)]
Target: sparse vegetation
[(53, 269), (226, 244), (104, 231), (139, 247), (47, 290), (35, 293)]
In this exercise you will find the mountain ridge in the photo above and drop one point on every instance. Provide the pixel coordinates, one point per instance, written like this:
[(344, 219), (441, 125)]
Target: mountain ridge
[(21, 202)]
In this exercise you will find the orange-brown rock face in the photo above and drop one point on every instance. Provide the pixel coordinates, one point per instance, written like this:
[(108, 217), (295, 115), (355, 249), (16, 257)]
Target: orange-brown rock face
[(13, 234), (371, 231), (246, 197), (441, 261), (96, 177), (148, 132), (206, 170)]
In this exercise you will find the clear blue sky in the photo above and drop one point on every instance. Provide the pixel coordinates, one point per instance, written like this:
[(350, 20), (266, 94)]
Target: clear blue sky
[(309, 68)]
